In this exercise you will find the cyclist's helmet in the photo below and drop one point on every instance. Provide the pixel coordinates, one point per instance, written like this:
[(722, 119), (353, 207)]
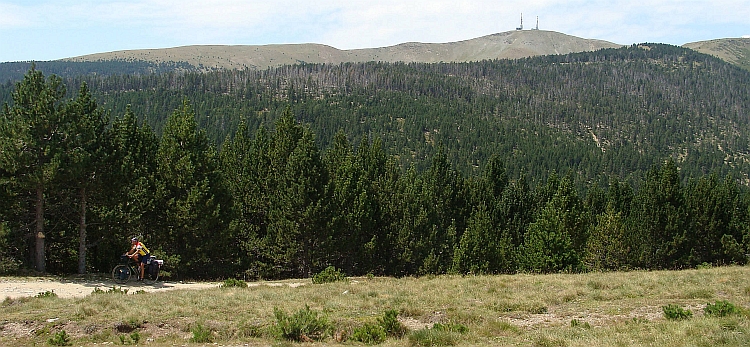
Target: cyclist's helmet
[(134, 239)]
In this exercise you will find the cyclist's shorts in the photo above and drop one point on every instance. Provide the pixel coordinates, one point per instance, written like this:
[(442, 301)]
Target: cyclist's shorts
[(144, 258)]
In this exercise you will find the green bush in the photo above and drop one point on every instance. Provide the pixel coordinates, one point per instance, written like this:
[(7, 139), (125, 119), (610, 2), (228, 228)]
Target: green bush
[(47, 294), (61, 338), (233, 283), (721, 308), (391, 325), (112, 290), (675, 312), (305, 325), (201, 334), (329, 275), (371, 334)]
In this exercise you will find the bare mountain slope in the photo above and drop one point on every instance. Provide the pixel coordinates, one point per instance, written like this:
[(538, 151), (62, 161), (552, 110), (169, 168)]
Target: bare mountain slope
[(733, 50), (511, 45)]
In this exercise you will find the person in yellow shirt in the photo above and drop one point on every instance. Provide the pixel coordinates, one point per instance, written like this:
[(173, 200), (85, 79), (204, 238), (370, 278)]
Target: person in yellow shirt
[(139, 253)]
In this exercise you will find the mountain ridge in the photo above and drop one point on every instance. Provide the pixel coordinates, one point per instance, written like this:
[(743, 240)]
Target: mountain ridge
[(732, 50), (505, 45)]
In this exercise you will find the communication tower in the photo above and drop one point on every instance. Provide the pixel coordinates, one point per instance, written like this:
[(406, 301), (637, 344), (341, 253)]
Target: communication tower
[(521, 27), (537, 23)]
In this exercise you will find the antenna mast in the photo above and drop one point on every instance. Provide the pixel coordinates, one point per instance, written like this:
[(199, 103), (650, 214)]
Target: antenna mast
[(521, 27)]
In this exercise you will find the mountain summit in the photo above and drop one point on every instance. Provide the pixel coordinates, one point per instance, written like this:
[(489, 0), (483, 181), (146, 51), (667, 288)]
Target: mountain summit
[(510, 45)]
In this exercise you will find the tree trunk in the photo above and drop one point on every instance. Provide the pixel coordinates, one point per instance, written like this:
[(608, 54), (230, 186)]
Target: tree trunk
[(39, 220), (82, 235)]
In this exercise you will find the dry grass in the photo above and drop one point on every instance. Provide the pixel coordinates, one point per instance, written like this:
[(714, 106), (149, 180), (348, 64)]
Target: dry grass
[(594, 309), (507, 45)]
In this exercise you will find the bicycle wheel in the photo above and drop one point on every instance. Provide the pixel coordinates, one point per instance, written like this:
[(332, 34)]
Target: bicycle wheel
[(121, 274), (151, 273)]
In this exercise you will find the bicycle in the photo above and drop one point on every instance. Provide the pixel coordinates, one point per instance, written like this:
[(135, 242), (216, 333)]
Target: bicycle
[(122, 273)]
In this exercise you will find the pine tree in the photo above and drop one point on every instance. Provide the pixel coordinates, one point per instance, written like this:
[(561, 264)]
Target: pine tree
[(86, 147), (131, 208), (30, 134), (555, 241), (192, 195)]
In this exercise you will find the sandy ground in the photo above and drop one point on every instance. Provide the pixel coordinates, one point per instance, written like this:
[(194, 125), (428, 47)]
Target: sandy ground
[(14, 287)]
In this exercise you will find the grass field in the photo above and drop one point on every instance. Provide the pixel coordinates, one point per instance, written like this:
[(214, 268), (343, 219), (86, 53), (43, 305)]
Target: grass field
[(593, 309)]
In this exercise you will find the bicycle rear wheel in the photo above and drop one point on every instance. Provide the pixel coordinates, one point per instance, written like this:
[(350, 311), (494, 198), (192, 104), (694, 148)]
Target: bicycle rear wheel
[(121, 274), (151, 273)]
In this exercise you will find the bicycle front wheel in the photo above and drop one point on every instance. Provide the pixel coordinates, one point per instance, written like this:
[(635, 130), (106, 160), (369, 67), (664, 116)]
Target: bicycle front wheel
[(121, 274)]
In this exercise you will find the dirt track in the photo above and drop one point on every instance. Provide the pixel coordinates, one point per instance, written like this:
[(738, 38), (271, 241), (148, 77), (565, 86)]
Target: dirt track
[(72, 288), (15, 287)]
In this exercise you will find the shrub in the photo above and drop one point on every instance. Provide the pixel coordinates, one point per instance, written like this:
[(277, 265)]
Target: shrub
[(201, 334), (233, 283), (329, 275), (61, 338), (371, 334), (47, 294), (721, 308), (112, 290), (675, 312), (391, 325), (305, 325)]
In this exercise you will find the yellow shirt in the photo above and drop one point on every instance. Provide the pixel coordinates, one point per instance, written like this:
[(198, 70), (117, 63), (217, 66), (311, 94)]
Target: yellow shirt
[(141, 248)]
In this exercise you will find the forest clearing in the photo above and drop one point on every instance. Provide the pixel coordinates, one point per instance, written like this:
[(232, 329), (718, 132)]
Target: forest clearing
[(705, 306)]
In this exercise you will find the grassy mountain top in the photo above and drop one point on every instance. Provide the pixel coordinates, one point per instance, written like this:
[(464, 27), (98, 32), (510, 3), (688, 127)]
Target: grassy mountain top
[(732, 50), (511, 44)]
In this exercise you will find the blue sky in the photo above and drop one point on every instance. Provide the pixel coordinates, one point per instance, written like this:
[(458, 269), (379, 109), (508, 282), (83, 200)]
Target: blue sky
[(55, 29)]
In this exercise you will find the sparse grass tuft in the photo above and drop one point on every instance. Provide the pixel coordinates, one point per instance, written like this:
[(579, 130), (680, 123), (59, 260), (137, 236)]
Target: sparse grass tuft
[(201, 334), (452, 327), (432, 337), (545, 341), (575, 323)]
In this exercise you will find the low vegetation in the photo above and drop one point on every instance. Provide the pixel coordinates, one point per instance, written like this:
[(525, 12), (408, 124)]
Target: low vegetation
[(589, 309)]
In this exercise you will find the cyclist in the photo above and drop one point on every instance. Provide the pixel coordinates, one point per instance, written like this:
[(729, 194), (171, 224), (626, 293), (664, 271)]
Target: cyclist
[(139, 253)]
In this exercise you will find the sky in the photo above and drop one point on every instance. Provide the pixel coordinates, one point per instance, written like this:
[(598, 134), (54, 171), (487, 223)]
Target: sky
[(54, 29)]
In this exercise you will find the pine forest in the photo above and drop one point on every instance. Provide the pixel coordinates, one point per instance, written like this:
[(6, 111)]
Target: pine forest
[(628, 158)]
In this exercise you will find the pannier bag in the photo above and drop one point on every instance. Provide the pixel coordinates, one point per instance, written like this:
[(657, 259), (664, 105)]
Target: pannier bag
[(153, 266)]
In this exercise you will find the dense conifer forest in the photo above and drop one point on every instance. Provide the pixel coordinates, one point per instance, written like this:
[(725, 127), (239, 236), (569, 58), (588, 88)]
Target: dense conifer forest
[(616, 159)]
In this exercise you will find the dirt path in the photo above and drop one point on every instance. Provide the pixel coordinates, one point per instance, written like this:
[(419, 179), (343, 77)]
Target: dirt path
[(72, 288), (15, 287)]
